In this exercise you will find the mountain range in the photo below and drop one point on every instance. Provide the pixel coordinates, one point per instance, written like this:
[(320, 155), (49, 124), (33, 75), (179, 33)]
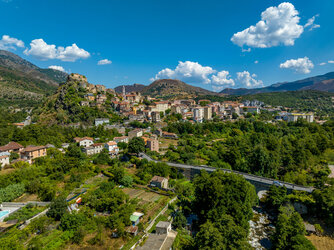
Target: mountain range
[(22, 82), (321, 82), (130, 88)]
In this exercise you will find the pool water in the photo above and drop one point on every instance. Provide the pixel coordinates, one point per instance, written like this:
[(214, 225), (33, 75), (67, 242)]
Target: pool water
[(3, 213)]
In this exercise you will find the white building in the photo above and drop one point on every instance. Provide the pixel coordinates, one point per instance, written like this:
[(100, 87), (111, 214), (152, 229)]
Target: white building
[(121, 139), (207, 113), (101, 121), (96, 148), (112, 147), (293, 117), (84, 141), (198, 114), (4, 159)]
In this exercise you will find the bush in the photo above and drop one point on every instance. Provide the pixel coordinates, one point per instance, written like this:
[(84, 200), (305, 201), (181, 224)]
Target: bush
[(58, 208), (11, 192)]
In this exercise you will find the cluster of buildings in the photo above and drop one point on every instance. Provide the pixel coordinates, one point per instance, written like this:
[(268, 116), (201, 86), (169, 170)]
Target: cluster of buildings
[(293, 117), (27, 154), (89, 147)]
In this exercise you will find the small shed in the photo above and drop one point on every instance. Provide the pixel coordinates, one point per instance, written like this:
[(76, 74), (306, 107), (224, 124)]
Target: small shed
[(135, 218), (163, 227), (309, 228), (132, 230), (160, 182)]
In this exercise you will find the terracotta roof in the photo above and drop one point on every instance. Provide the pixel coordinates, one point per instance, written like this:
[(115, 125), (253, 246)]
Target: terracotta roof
[(120, 138), (33, 148), (158, 178), (79, 139), (4, 156), (11, 146), (132, 229), (167, 133), (111, 143), (97, 144)]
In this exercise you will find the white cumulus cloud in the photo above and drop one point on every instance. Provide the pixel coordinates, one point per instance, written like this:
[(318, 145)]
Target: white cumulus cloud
[(187, 71), (60, 68), (310, 23), (8, 42), (221, 80), (43, 51), (300, 65), (248, 80), (278, 25), (104, 62)]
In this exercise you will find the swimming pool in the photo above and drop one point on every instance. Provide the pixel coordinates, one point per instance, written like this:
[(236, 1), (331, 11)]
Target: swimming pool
[(3, 213)]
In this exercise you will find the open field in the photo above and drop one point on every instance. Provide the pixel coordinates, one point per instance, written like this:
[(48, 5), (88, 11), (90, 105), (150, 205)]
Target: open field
[(150, 202), (141, 194), (164, 142), (6, 171), (27, 197), (321, 242)]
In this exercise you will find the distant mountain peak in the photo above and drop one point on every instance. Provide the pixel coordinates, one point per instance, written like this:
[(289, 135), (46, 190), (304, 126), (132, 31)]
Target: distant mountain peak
[(21, 76), (321, 82), (172, 87)]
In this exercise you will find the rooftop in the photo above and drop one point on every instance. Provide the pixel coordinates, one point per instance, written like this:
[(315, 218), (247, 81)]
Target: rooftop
[(163, 224), (11, 146)]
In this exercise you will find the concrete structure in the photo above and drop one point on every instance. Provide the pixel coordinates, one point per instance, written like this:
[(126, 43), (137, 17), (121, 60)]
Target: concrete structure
[(135, 218), (161, 106), (198, 114), (12, 147), (32, 152), (293, 117), (169, 135), (155, 116), (159, 182), (4, 159), (163, 227), (153, 144), (121, 139), (135, 133), (112, 147), (96, 148), (90, 97), (261, 183), (251, 109), (84, 141), (101, 121), (207, 113)]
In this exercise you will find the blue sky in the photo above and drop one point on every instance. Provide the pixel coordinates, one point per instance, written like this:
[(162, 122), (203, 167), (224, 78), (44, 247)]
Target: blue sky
[(195, 41)]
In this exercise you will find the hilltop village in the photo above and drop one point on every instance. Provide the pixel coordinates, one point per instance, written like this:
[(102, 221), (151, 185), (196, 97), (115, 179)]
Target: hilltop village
[(92, 167)]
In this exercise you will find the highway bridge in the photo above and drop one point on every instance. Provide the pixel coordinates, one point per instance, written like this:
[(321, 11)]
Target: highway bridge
[(260, 183)]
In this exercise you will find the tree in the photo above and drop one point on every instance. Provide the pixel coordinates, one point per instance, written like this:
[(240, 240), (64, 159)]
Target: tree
[(290, 230), (136, 145), (57, 208), (126, 181), (235, 116), (276, 196), (209, 237), (73, 221), (180, 220), (102, 158), (222, 193)]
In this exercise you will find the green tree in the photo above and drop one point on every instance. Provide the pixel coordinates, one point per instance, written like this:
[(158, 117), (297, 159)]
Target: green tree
[(136, 145), (209, 237), (57, 208), (290, 230), (276, 196)]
